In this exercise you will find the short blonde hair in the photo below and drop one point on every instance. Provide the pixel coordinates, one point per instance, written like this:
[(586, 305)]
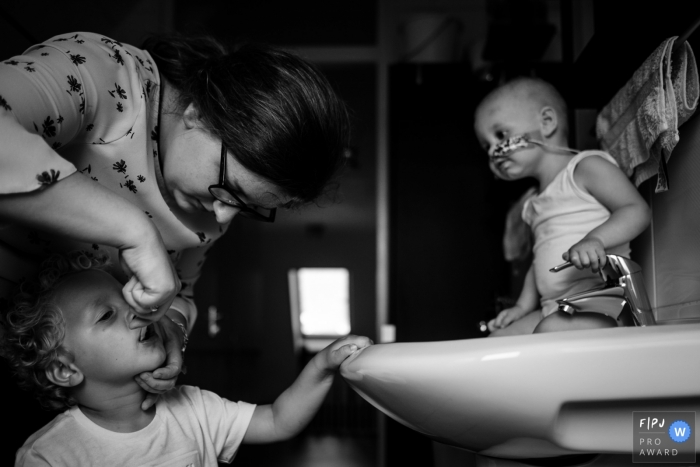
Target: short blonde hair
[(34, 327)]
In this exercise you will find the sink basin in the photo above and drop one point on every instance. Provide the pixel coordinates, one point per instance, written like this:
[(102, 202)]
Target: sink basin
[(533, 396)]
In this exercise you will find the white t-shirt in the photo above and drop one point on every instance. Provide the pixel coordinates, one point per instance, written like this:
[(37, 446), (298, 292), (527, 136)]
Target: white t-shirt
[(191, 428)]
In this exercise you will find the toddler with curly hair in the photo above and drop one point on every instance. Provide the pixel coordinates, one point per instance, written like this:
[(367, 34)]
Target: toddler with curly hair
[(67, 338)]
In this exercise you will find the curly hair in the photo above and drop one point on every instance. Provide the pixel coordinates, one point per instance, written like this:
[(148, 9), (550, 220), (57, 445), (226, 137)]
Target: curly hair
[(34, 328)]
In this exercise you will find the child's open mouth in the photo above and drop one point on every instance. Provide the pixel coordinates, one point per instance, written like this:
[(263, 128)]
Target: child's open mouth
[(501, 162), (147, 333)]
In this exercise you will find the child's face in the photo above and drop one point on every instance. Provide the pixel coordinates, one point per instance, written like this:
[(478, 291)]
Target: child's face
[(499, 120), (97, 329)]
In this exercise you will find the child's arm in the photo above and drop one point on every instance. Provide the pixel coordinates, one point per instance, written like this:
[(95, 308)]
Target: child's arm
[(297, 405), (629, 213), (528, 301)]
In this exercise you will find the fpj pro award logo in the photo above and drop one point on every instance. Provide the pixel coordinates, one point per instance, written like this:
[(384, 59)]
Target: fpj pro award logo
[(661, 437)]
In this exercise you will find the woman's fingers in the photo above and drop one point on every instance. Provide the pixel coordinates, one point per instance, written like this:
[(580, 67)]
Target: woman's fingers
[(141, 383), (146, 382), (149, 401), (163, 379), (153, 281), (133, 296), (144, 317), (153, 384), (172, 340)]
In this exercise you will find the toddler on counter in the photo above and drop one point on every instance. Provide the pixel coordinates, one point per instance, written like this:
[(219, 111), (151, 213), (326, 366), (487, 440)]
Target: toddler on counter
[(585, 207)]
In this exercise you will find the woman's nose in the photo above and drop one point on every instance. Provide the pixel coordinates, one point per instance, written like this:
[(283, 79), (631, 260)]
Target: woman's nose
[(224, 213)]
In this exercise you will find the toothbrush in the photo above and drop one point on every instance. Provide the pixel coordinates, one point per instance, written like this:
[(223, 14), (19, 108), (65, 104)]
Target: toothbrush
[(562, 266)]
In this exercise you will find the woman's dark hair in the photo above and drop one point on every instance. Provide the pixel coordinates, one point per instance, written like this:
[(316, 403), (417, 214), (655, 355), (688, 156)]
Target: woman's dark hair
[(276, 113)]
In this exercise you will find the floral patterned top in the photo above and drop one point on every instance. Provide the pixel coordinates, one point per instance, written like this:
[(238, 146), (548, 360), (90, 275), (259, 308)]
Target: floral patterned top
[(90, 104)]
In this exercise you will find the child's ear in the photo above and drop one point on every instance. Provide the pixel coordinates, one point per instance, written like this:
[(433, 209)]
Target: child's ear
[(63, 372), (191, 117), (548, 121)]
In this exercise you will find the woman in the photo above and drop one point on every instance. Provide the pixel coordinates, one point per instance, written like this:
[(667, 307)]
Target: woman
[(148, 154)]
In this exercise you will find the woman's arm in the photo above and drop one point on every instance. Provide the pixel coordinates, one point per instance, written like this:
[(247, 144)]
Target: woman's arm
[(83, 210), (297, 405), (45, 105), (189, 265)]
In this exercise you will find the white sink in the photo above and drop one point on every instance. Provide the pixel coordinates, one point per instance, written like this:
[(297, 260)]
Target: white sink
[(533, 396)]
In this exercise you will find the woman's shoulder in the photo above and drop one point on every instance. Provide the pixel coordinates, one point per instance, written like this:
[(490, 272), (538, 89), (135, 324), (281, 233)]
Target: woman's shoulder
[(113, 79)]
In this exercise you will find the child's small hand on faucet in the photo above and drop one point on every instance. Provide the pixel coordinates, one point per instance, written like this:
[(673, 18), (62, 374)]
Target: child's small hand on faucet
[(588, 253)]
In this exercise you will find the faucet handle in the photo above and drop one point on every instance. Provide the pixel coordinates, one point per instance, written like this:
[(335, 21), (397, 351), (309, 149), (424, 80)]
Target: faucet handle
[(622, 279)]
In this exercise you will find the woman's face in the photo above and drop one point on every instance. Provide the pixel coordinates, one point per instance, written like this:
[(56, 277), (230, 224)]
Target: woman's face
[(191, 163)]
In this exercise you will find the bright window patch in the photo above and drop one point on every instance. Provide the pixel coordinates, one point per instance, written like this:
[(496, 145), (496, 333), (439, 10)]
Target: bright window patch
[(322, 296)]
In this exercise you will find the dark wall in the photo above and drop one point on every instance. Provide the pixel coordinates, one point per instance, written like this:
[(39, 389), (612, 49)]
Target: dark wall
[(308, 22), (625, 35), (444, 254), (252, 358), (22, 24)]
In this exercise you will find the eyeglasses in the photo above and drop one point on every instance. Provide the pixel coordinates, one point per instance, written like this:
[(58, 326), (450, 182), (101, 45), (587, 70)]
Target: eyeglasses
[(225, 195)]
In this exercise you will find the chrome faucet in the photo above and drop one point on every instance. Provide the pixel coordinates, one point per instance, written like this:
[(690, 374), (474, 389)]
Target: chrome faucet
[(623, 296)]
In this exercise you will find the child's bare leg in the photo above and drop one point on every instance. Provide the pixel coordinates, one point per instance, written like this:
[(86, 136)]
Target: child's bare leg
[(561, 321), (524, 325)]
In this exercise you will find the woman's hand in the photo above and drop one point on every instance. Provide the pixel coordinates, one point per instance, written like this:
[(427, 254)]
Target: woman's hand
[(163, 379), (82, 210), (153, 281)]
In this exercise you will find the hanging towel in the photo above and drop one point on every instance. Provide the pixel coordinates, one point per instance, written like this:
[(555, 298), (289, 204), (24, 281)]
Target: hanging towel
[(639, 126)]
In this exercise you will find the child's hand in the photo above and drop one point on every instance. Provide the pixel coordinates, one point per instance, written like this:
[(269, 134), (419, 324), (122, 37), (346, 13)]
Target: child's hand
[(506, 317), (330, 358), (588, 253)]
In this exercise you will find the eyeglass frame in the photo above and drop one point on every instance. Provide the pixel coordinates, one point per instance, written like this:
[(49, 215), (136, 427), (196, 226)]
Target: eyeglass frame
[(245, 210)]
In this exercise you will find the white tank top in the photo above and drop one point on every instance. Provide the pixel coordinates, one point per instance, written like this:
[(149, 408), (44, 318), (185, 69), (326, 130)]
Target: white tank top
[(561, 215)]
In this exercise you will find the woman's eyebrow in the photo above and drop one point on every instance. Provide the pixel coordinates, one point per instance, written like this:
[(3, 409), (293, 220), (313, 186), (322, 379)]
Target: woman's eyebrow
[(257, 201)]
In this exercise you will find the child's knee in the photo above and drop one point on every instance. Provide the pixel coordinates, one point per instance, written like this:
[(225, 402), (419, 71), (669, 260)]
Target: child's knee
[(557, 321), (522, 326), (596, 321), (560, 321), (501, 332)]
